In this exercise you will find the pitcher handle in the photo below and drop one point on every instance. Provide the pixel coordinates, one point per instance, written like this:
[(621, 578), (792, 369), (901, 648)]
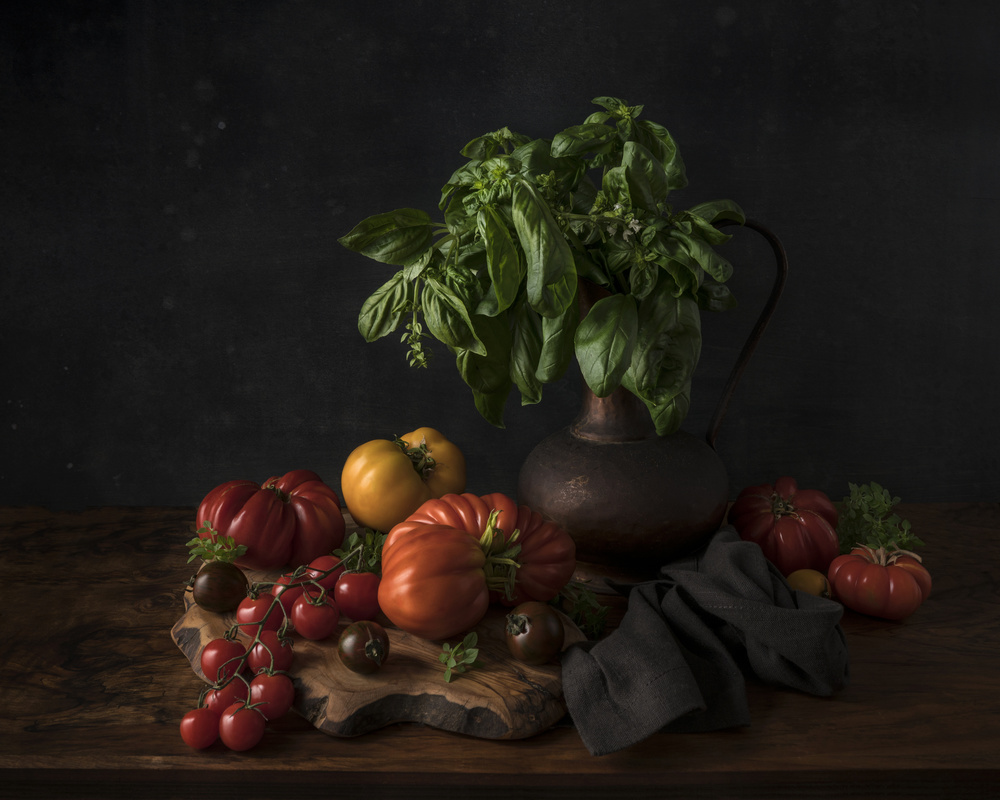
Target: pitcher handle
[(758, 329)]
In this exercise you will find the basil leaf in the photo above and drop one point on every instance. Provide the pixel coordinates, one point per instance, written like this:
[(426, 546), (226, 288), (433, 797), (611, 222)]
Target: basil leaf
[(525, 349), (604, 342), (668, 345), (462, 178), (394, 237), (488, 376), (615, 186), (557, 346), (551, 270), (537, 159), (447, 317), (668, 415), (580, 139), (589, 269), (661, 144), (502, 259), (488, 372), (644, 174), (716, 210), (491, 405), (382, 312), (715, 297), (642, 278), (702, 252)]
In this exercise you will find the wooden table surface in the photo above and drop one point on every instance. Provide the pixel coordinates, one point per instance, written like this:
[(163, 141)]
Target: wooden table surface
[(93, 688)]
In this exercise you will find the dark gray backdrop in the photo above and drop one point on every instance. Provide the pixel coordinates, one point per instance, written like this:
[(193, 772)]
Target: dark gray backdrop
[(176, 310)]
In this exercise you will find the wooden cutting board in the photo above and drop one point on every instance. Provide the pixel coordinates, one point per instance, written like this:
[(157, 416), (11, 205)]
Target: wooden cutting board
[(501, 699)]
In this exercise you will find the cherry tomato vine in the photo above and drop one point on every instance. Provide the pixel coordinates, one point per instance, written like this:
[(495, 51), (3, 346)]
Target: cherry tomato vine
[(250, 685)]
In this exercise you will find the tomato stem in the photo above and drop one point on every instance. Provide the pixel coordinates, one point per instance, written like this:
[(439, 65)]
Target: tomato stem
[(284, 497), (374, 651), (781, 507), (501, 556), (884, 556), (420, 456)]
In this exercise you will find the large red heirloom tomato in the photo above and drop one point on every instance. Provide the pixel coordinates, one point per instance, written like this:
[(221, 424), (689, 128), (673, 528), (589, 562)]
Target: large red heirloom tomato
[(287, 520), (796, 528), (890, 584), (443, 564)]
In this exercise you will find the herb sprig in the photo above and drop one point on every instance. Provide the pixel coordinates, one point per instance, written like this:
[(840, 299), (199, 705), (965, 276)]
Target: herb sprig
[(362, 552), (867, 518), (581, 605), (214, 547), (460, 657)]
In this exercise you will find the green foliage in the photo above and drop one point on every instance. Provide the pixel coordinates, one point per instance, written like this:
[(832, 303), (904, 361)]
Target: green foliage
[(215, 547), (867, 518), (362, 552), (460, 657), (581, 605), (523, 220)]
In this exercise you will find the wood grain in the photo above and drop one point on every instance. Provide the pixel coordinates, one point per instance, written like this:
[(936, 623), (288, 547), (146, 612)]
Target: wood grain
[(92, 688)]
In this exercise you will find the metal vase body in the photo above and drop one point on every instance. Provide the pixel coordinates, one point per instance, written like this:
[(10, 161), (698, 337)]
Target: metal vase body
[(629, 498)]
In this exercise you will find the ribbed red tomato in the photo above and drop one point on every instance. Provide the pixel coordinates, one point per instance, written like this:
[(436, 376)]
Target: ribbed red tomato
[(796, 528), (890, 584), (287, 520), (434, 581), (547, 554)]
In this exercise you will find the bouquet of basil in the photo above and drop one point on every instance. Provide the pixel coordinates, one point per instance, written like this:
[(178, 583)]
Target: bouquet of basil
[(524, 220)]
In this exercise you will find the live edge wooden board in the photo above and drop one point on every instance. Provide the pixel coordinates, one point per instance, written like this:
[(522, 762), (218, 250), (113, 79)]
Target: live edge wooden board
[(499, 699)]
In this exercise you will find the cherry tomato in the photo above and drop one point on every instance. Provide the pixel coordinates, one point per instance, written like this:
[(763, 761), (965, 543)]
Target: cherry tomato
[(236, 691), (200, 728), (363, 646), (219, 586), (288, 589), (325, 570), (221, 659), (241, 727), (314, 617), (271, 652), (253, 611), (534, 632), (273, 692), (356, 594)]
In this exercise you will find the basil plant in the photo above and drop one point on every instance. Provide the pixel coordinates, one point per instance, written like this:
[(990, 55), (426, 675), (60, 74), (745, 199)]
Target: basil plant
[(495, 279)]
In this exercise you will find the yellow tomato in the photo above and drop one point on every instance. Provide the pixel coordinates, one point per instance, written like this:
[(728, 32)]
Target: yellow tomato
[(385, 480), (810, 581)]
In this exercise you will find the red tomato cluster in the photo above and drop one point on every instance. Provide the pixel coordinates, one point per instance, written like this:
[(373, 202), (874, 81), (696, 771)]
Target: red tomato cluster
[(797, 530), (250, 684)]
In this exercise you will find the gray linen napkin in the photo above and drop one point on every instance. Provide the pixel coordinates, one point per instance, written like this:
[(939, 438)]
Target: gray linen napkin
[(679, 658)]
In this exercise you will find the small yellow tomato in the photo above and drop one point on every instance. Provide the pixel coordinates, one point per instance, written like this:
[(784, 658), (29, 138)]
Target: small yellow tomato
[(386, 480), (810, 581)]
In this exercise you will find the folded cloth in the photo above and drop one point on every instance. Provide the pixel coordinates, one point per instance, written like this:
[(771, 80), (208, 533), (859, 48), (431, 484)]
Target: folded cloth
[(688, 638)]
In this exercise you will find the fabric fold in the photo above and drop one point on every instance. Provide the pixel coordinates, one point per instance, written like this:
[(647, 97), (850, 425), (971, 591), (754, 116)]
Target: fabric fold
[(688, 638)]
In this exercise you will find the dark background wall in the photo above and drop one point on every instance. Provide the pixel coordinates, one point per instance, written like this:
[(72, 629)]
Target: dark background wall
[(175, 309)]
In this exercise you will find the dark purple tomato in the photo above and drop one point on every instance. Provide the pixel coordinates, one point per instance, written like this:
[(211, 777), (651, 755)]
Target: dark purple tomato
[(363, 647), (534, 633), (219, 586)]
